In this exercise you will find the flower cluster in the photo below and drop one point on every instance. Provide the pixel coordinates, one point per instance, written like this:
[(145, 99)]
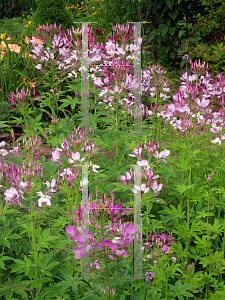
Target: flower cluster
[(149, 276), (161, 242), (12, 195), (126, 232), (146, 173), (106, 292)]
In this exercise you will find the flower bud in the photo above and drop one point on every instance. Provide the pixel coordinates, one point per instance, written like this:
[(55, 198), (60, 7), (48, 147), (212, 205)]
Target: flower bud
[(9, 38), (27, 40), (2, 55), (3, 46), (3, 37)]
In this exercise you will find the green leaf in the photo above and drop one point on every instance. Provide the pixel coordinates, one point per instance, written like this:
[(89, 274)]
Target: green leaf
[(2, 258), (180, 33), (181, 188), (17, 269), (167, 48), (123, 273), (45, 111), (152, 35), (173, 15), (18, 121), (51, 265), (4, 289), (119, 187), (196, 39), (47, 273), (169, 4), (204, 214), (64, 285), (66, 103), (175, 212), (163, 29), (3, 125), (35, 122), (172, 30)]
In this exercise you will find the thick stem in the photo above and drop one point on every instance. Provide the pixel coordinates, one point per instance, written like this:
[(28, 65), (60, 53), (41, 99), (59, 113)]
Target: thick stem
[(107, 275), (117, 145), (34, 244), (166, 285), (188, 208), (156, 113), (146, 291)]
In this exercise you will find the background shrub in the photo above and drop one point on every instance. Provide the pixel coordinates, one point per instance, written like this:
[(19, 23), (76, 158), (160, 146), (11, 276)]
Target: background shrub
[(51, 11), (15, 8)]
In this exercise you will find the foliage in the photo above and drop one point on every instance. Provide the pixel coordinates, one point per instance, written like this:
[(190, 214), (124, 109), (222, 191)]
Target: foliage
[(51, 11), (12, 9), (173, 25), (214, 55)]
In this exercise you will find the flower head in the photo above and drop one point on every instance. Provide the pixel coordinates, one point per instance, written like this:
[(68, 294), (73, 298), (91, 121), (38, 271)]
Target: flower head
[(14, 48), (149, 275), (98, 31), (185, 57), (44, 199), (27, 39)]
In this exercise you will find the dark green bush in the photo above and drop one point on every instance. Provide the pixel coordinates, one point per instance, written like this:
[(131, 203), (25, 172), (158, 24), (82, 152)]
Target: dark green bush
[(15, 8), (177, 27), (51, 11)]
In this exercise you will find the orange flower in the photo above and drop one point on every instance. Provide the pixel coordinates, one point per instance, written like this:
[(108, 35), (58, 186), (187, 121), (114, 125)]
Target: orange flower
[(2, 55), (3, 37), (3, 46), (9, 38), (14, 48), (27, 39), (32, 84)]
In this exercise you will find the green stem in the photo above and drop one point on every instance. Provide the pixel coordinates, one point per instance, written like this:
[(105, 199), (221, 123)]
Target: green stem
[(188, 209), (156, 112), (181, 197), (34, 244), (95, 112), (209, 266), (117, 145), (207, 288), (147, 226), (146, 290), (90, 286), (166, 285), (223, 238), (107, 274), (220, 196)]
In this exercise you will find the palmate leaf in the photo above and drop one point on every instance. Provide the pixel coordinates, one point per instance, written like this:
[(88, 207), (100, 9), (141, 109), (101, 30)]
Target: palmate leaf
[(174, 212), (2, 258), (65, 284)]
